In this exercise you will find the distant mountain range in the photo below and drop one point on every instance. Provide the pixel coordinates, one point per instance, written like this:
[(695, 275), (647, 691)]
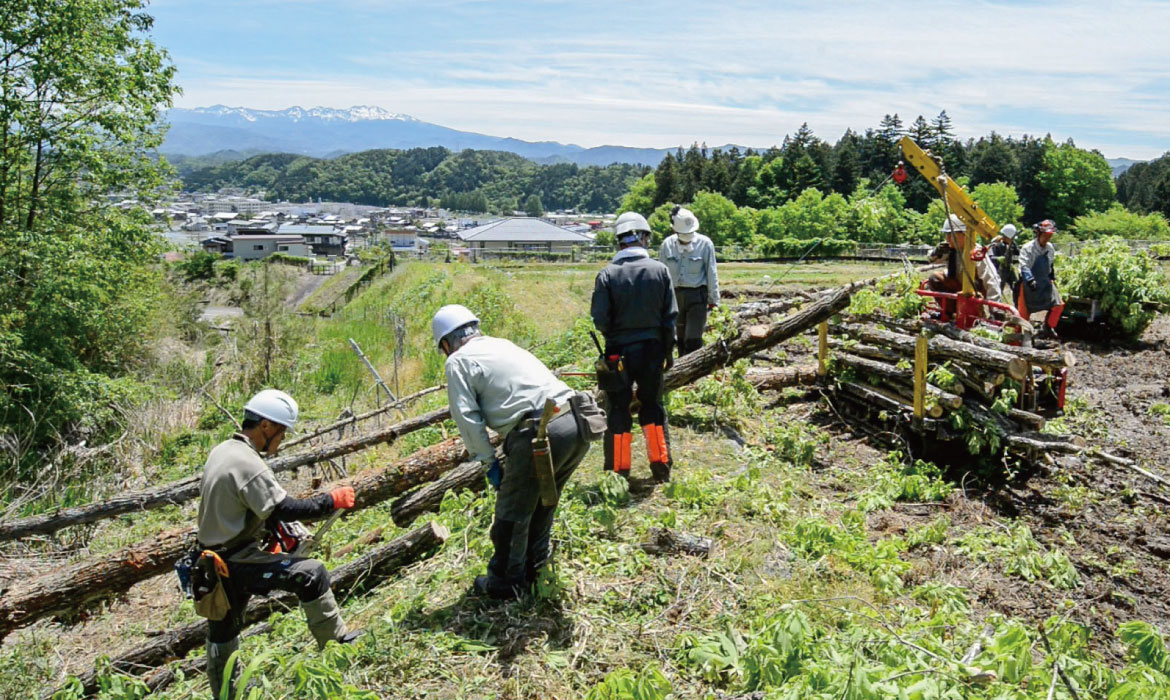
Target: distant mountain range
[(1120, 165), (323, 132)]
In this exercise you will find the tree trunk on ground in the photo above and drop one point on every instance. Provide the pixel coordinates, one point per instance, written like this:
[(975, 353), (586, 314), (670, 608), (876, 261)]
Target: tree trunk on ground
[(467, 476), (368, 571), (776, 378), (78, 585), (941, 348), (753, 339), (187, 489)]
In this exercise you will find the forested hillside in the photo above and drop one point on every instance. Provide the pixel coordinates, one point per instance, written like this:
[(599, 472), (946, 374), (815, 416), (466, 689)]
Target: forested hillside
[(1145, 187), (470, 180)]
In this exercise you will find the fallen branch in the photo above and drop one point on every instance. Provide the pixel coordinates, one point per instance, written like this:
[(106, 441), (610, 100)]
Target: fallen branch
[(663, 541), (1132, 466), (366, 572), (345, 422)]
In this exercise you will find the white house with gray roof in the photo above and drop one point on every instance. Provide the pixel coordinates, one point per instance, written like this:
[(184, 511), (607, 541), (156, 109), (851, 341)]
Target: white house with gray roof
[(523, 233)]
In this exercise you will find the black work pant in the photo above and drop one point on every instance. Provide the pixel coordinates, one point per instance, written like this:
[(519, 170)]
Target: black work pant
[(522, 531), (307, 578), (692, 318), (644, 366)]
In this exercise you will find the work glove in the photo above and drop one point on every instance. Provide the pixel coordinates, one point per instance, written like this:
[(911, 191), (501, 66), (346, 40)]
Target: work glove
[(495, 473), (342, 497)]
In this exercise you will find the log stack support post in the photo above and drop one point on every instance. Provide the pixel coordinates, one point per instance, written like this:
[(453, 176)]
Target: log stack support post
[(823, 348), (920, 377)]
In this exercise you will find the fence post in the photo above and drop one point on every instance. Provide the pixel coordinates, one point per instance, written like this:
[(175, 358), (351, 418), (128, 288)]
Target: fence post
[(822, 348)]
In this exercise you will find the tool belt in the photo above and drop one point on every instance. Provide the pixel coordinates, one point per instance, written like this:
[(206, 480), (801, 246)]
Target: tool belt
[(611, 373), (591, 420), (203, 575), (531, 420)]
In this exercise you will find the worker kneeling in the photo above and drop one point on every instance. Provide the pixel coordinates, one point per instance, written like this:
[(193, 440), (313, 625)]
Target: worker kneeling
[(986, 281), (245, 547), (491, 383)]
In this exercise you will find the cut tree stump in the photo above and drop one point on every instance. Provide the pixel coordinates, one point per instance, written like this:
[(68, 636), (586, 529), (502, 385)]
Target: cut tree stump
[(663, 541), (362, 574)]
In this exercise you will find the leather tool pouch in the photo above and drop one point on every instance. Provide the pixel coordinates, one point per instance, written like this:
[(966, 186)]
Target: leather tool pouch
[(611, 374), (211, 599), (590, 418)]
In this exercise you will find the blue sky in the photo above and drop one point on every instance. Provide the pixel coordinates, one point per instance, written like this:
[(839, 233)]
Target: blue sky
[(660, 74)]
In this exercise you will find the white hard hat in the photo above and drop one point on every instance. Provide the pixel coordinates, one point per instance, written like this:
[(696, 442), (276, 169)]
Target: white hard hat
[(275, 405), (629, 226), (1008, 231), (684, 221), (954, 224), (449, 318)]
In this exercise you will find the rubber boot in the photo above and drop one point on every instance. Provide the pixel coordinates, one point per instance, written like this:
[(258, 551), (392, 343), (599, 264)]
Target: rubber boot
[(217, 658), (658, 450), (324, 619), (617, 453)]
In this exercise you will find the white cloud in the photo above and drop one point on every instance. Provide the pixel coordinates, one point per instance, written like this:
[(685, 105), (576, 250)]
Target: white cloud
[(731, 72)]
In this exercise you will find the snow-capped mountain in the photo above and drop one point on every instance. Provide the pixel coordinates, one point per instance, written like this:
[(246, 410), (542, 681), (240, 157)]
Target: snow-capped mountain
[(323, 131)]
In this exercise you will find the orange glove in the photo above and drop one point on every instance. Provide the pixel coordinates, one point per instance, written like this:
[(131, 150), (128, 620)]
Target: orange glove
[(342, 497)]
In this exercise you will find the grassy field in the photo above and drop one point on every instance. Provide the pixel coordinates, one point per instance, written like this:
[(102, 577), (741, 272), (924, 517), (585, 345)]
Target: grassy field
[(840, 572)]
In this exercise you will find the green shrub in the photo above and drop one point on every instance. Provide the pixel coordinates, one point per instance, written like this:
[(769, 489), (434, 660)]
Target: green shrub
[(1120, 279), (1121, 222)]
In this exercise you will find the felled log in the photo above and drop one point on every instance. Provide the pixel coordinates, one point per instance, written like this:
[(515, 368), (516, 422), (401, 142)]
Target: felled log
[(941, 348), (187, 489), (1044, 442), (944, 398), (372, 537), (344, 422), (1036, 356), (758, 309), (775, 378), (663, 541), (83, 583), (872, 352), (753, 339), (904, 395), (978, 386), (1027, 419), (468, 476), (362, 574)]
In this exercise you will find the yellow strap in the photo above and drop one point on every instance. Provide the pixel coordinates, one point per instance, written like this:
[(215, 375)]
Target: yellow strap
[(221, 567)]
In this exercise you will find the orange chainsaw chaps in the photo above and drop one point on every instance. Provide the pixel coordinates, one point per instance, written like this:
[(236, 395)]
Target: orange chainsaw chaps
[(621, 452), (656, 448)]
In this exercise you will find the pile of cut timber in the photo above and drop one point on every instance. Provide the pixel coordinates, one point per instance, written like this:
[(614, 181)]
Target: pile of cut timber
[(876, 369)]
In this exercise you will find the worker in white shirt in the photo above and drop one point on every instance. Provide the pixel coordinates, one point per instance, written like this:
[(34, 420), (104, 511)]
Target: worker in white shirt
[(689, 256), (493, 384)]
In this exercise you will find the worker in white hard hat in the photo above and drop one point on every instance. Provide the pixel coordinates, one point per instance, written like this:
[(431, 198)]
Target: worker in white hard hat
[(986, 282), (689, 256), (493, 384), (1005, 252), (634, 307), (247, 537)]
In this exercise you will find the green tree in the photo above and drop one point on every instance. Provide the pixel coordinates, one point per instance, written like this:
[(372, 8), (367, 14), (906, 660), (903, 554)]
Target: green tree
[(1000, 202), (532, 206), (720, 220), (640, 198), (1123, 223), (82, 91), (1075, 182)]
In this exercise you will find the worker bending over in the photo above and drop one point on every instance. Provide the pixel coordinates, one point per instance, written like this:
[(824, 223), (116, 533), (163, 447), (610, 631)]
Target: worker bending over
[(240, 504), (986, 281), (634, 307), (1038, 290), (689, 256), (494, 384)]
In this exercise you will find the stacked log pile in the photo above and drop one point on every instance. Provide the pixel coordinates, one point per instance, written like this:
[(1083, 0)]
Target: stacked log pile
[(890, 371)]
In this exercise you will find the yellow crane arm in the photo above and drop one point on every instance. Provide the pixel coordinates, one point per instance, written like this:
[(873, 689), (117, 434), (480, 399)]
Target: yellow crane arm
[(957, 202)]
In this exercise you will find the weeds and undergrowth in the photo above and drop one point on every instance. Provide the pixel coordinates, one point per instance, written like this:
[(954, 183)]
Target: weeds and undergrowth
[(801, 598)]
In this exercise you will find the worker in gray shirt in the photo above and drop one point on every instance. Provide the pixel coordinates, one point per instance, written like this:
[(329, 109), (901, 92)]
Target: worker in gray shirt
[(493, 384), (690, 258), (240, 502)]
